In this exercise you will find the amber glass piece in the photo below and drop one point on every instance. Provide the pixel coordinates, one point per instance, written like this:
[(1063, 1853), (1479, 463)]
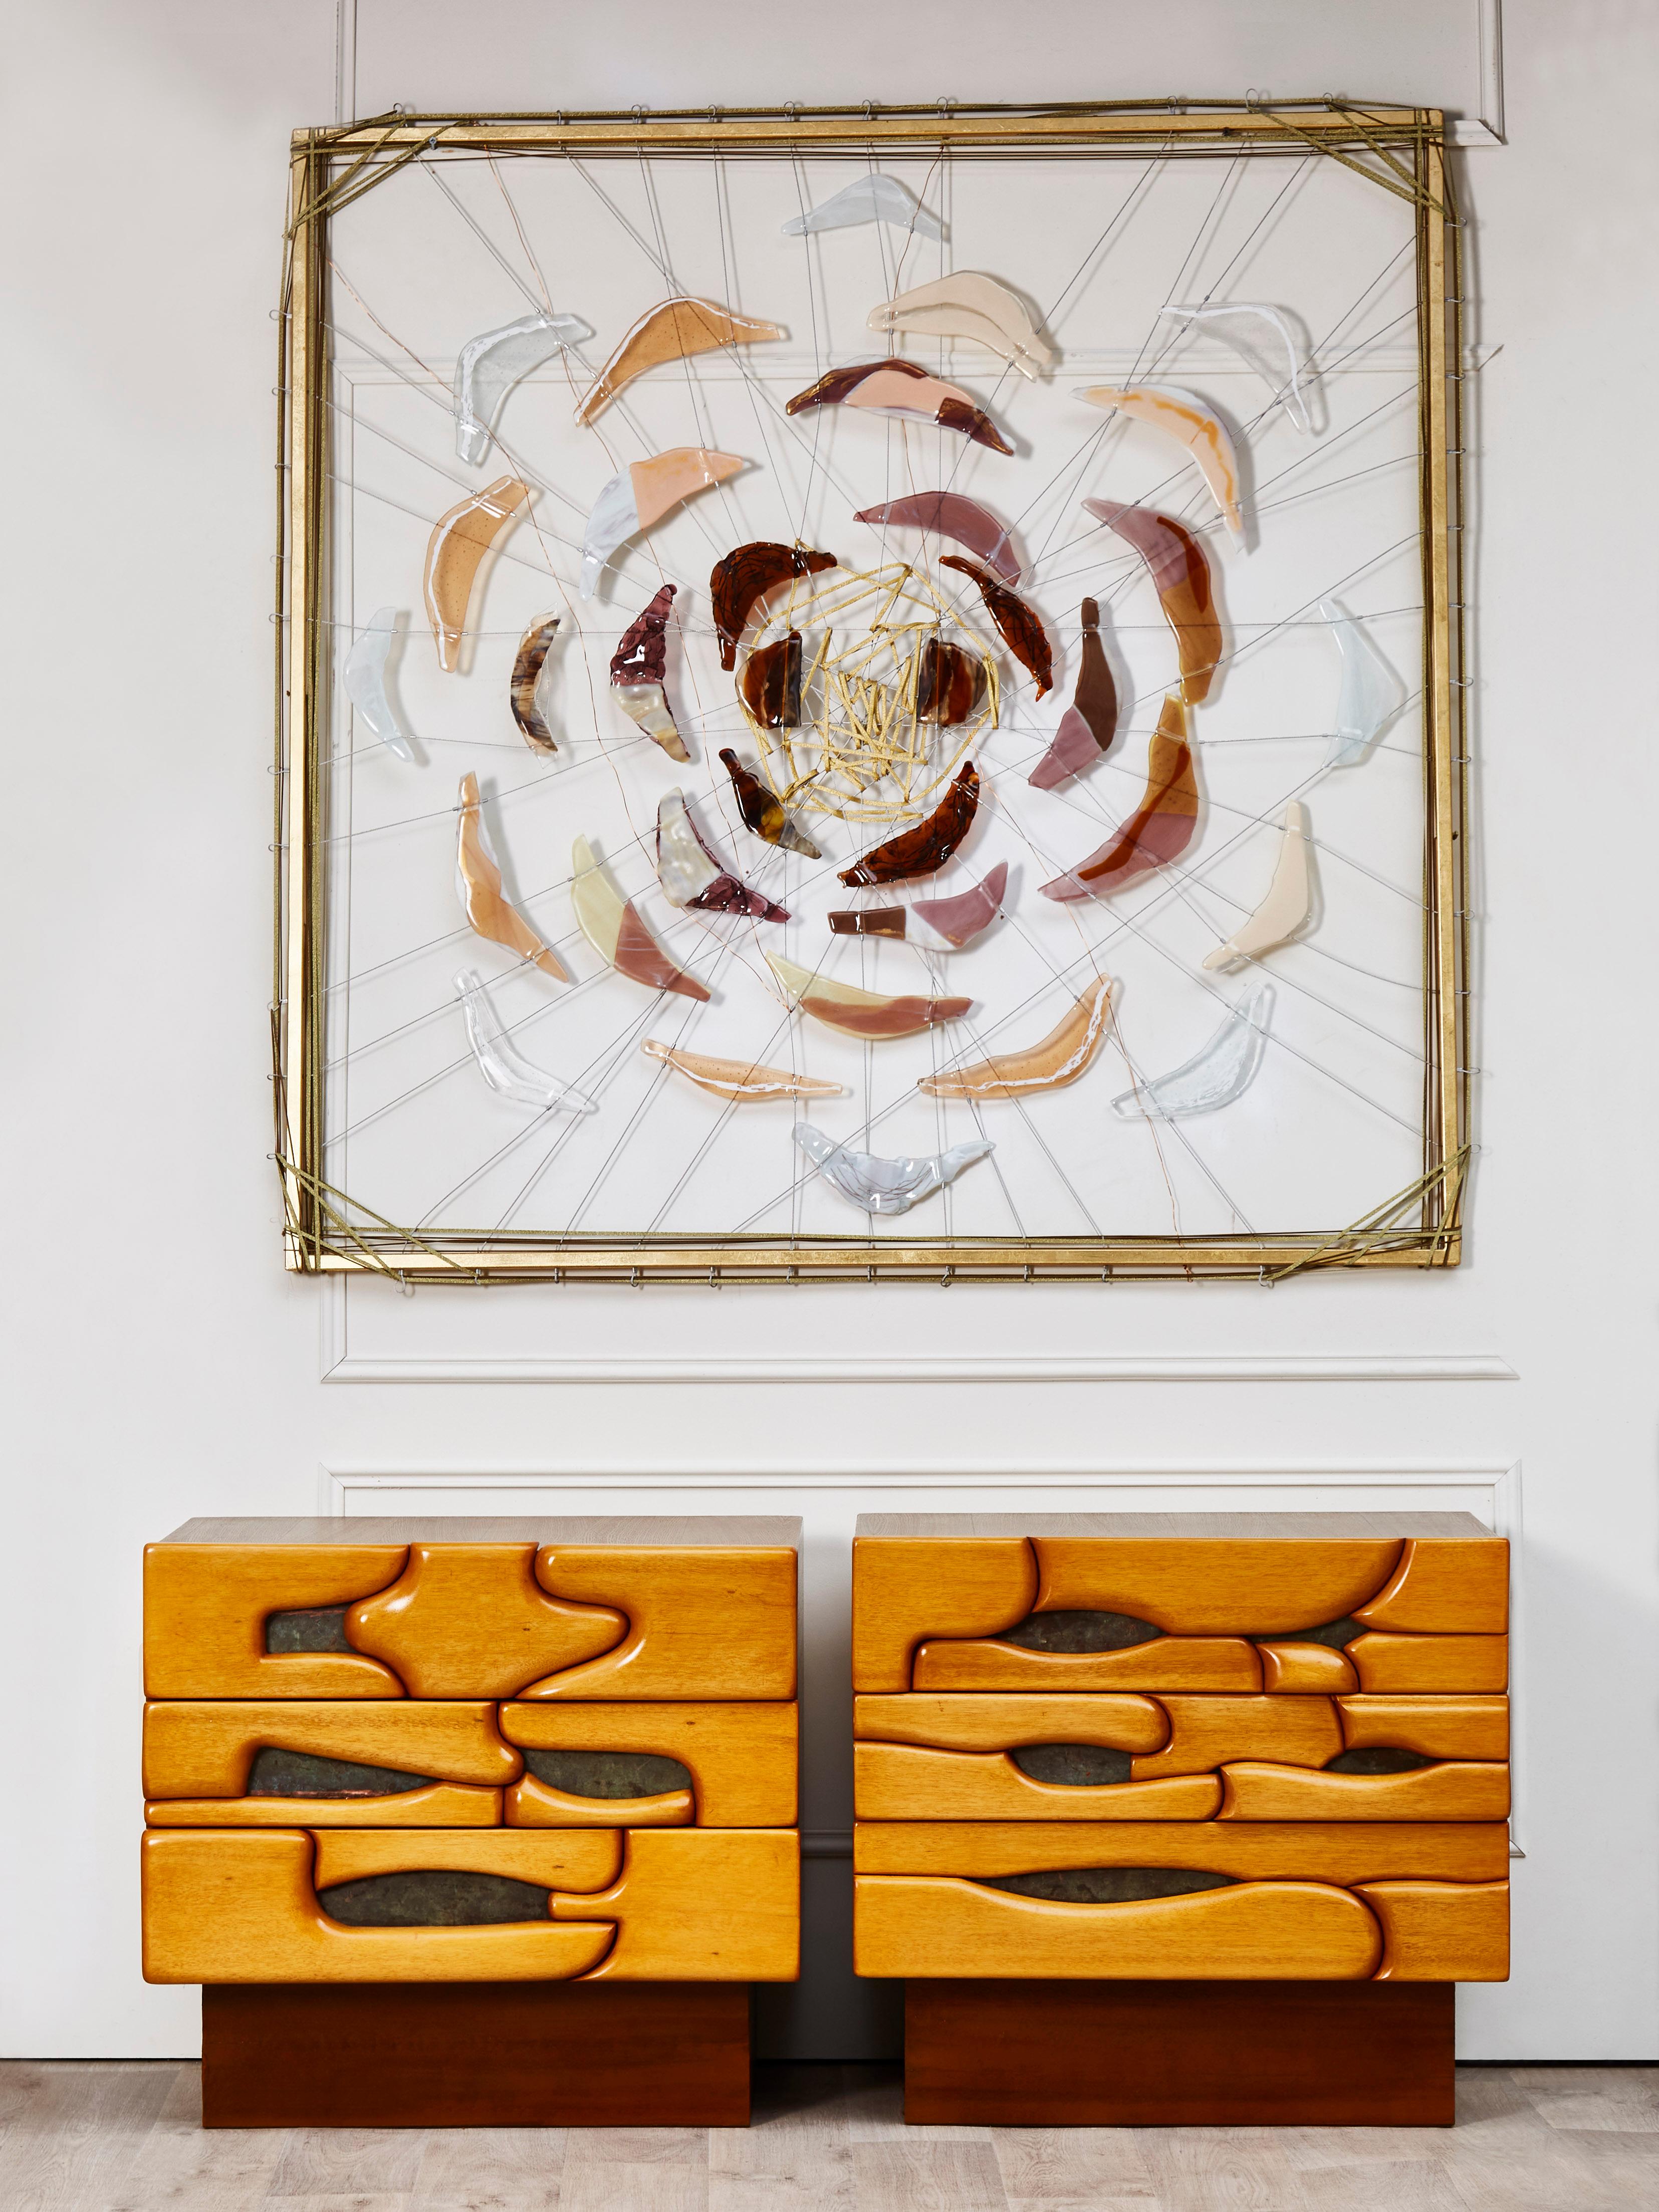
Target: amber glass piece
[(745, 577), (1090, 723), (1182, 575), (613, 926), (948, 683), (1021, 629), (771, 682), (1063, 1056), (458, 544), (526, 675), (948, 514), (861, 1014), (487, 907), (868, 922), (923, 850), (670, 332), (737, 1080), (1161, 827), (1181, 416), (893, 386), (762, 811)]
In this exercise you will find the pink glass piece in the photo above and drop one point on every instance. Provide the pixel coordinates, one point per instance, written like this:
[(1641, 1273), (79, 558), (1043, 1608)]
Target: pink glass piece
[(1090, 723), (616, 931), (1160, 829), (948, 514), (896, 387), (1073, 749), (1181, 573), (958, 920)]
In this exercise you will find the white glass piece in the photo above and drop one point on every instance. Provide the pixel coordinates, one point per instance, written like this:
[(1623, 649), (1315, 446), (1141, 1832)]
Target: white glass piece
[(1370, 694), (1276, 363), (868, 199), (969, 304), (613, 518), (364, 676), (1216, 1074), (882, 1186), (492, 363), (501, 1063), (683, 868), (1287, 905)]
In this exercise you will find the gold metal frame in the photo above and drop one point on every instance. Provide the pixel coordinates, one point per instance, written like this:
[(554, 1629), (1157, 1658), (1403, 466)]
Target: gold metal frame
[(1402, 150)]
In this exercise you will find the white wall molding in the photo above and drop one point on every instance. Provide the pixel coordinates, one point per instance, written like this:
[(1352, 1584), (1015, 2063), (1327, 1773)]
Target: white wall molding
[(1487, 129)]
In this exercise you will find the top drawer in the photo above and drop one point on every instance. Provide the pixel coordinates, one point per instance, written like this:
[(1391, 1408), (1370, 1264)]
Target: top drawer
[(1201, 1613)]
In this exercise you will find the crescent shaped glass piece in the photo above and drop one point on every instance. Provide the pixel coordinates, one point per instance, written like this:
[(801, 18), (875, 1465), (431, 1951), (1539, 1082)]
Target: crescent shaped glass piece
[(458, 544), (1181, 573), (1370, 693), (1282, 380), (874, 199), (1181, 416), (612, 925), (861, 1013), (501, 1063), (883, 1186), (1090, 723), (1216, 1074), (1018, 624), (674, 329), (528, 665), (691, 875), (740, 1079), (490, 364), (738, 584), (364, 678), (642, 493), (1160, 829), (969, 304), (486, 907), (923, 850), (1287, 905), (954, 922), (948, 514), (884, 391), (762, 809), (1063, 1056)]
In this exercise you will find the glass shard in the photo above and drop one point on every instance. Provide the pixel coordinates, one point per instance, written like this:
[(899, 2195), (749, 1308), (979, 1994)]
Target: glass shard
[(364, 678), (1371, 693), (1021, 630), (745, 577), (969, 304), (874, 199), (861, 1013), (528, 665), (638, 667), (501, 1063), (954, 922), (1160, 829), (613, 926), (949, 683), (1287, 905), (492, 363), (673, 330), (882, 1186), (1059, 1059), (1186, 419), (1269, 350), (868, 922), (642, 493), (771, 682), (893, 386), (479, 880), (740, 1079), (948, 514), (458, 544), (762, 811), (691, 874), (924, 848), (1217, 1074), (1090, 723), (1182, 575)]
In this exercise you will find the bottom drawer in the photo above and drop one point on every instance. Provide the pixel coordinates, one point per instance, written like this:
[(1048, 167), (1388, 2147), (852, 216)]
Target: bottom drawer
[(408, 1905)]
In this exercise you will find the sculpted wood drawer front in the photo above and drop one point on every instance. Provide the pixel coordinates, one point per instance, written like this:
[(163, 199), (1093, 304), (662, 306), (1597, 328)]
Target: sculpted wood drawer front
[(472, 1752), (1250, 1746)]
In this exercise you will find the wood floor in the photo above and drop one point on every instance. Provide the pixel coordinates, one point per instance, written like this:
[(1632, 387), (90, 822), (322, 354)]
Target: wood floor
[(122, 2138)]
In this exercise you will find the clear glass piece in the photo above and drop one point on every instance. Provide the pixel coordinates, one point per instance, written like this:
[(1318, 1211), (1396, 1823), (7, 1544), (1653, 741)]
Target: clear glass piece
[(740, 1079), (1217, 1074), (969, 304), (882, 1186), (492, 363), (614, 929), (738, 583), (364, 678), (923, 850), (501, 1063), (861, 1013), (1181, 573), (874, 199), (1181, 416), (525, 691), (691, 873), (458, 544), (1160, 829), (1262, 339), (1370, 694), (1287, 905), (485, 902), (948, 514), (642, 493), (673, 330), (1059, 1058)]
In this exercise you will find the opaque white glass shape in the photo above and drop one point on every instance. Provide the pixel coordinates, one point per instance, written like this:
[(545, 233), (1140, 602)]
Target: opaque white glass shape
[(882, 1186), (1287, 905), (868, 199), (364, 676), (1215, 1075), (1370, 693), (501, 1063), (490, 364), (1270, 351)]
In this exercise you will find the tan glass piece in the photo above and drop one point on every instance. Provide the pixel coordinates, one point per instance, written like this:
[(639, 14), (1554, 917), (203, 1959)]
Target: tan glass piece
[(861, 1014), (1221, 1663), (742, 1756), (673, 330), (1063, 1056), (740, 1080), (704, 1621), (206, 1747), (905, 1589), (1442, 1931), (1459, 1790), (614, 929), (1184, 418), (991, 1723), (1344, 1852), (1429, 1663), (488, 908), (1444, 1727), (969, 304), (1287, 905), (454, 552), (700, 1904), (205, 1606), (909, 1782), (470, 1621), (586, 1860), (1297, 1668)]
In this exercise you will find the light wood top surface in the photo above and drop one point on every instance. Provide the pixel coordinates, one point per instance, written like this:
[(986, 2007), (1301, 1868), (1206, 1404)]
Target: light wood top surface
[(747, 1529), (1126, 1527)]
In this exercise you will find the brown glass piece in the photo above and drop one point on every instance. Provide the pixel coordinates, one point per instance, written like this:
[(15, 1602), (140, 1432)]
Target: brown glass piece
[(1110, 1884), (771, 682), (1161, 827), (639, 955), (745, 576), (432, 1897), (1079, 1632), (1181, 571), (1090, 723), (1021, 629), (762, 809), (948, 683), (924, 850), (608, 1773), (316, 1628), (868, 922), (1073, 1766), (641, 656), (278, 1773), (526, 673)]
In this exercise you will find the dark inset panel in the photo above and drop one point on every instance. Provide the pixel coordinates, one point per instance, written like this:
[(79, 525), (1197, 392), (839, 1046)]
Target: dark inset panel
[(608, 1773), (1339, 1634), (1110, 1884), (1073, 1766), (309, 1628), (433, 1898), (1080, 1631), (1379, 1759), (276, 1774)]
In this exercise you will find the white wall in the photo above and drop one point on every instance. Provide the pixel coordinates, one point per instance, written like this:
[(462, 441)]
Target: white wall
[(160, 1364)]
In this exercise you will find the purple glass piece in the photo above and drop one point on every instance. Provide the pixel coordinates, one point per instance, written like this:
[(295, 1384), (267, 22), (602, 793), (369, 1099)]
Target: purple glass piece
[(1074, 747), (948, 514), (960, 919), (641, 656)]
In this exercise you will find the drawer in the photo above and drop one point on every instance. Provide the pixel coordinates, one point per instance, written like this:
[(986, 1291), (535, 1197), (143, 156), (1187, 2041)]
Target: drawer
[(705, 1623), (734, 1766), (207, 1610), (1459, 1851)]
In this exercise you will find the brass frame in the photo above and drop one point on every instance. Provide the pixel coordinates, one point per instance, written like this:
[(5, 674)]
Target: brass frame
[(1402, 150)]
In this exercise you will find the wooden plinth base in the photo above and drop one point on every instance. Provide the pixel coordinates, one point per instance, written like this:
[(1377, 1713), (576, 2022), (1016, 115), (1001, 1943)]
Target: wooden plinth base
[(475, 2054), (1178, 2054)]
